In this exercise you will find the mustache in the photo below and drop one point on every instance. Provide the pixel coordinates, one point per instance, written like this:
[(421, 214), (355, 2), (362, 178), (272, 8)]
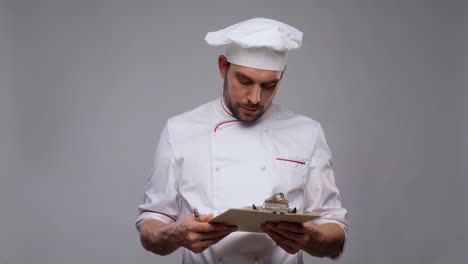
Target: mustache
[(252, 106)]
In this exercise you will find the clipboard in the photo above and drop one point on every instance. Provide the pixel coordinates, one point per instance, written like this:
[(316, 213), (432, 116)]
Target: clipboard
[(250, 220)]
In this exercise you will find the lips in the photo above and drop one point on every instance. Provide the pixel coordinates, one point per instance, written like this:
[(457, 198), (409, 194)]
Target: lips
[(249, 110)]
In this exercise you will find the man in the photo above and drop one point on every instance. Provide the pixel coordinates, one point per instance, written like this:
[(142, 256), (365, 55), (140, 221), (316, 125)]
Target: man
[(236, 151)]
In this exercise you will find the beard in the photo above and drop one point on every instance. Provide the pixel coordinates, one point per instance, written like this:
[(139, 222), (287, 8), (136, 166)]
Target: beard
[(235, 107)]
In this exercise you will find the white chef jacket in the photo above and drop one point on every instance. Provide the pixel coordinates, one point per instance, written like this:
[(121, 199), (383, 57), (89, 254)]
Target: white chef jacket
[(207, 159)]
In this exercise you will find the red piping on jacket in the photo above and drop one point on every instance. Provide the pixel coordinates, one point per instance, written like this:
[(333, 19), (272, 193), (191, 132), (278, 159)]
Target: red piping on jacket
[(296, 161), (225, 122), (149, 211), (224, 108)]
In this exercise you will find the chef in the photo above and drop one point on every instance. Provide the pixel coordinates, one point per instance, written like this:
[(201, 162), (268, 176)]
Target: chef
[(236, 151)]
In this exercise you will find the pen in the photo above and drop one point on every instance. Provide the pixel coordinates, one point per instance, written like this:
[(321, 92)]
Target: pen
[(197, 215)]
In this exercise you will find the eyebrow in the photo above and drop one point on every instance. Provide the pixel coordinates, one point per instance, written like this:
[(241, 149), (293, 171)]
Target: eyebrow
[(243, 76)]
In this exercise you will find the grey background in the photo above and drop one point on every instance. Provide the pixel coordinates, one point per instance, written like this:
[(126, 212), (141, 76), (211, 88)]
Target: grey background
[(86, 87)]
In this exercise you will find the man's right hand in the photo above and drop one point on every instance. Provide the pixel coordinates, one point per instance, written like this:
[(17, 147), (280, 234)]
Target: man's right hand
[(163, 239), (198, 236)]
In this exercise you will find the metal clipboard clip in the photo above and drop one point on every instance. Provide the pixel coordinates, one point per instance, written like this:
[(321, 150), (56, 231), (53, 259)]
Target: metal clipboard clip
[(276, 204)]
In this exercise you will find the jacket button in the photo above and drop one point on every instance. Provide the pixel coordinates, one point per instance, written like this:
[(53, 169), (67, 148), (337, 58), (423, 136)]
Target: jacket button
[(263, 167), (217, 169)]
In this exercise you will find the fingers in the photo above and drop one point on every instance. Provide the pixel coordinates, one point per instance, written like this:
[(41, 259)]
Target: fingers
[(287, 235), (289, 230), (285, 230), (312, 229), (195, 237), (281, 241), (206, 218), (200, 246), (293, 227), (198, 242), (193, 225), (202, 218), (198, 235), (216, 234), (207, 227)]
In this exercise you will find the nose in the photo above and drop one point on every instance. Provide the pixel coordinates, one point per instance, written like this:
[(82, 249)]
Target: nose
[(254, 95)]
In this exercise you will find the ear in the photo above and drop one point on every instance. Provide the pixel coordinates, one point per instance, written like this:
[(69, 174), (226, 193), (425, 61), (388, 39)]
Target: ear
[(222, 65)]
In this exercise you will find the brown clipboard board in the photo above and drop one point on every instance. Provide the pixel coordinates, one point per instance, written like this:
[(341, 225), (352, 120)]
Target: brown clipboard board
[(249, 220)]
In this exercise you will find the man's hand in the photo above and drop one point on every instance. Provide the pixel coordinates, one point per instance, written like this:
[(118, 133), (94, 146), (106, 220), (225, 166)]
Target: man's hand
[(163, 239), (318, 240), (291, 237), (198, 236)]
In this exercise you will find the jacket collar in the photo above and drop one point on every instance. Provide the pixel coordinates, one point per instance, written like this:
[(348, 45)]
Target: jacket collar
[(225, 110)]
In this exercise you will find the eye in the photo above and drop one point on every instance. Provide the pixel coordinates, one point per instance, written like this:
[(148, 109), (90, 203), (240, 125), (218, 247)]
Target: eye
[(244, 81), (269, 85)]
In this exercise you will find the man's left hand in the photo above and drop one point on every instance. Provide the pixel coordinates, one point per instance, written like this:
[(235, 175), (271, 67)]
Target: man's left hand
[(292, 237)]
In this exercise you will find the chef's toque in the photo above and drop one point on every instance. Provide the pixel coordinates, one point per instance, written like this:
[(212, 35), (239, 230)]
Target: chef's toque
[(259, 43)]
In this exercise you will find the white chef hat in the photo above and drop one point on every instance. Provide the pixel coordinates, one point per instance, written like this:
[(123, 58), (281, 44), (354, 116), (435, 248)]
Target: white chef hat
[(257, 43)]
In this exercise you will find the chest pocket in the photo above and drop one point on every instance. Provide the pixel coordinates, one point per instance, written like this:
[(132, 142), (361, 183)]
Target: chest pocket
[(290, 173)]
